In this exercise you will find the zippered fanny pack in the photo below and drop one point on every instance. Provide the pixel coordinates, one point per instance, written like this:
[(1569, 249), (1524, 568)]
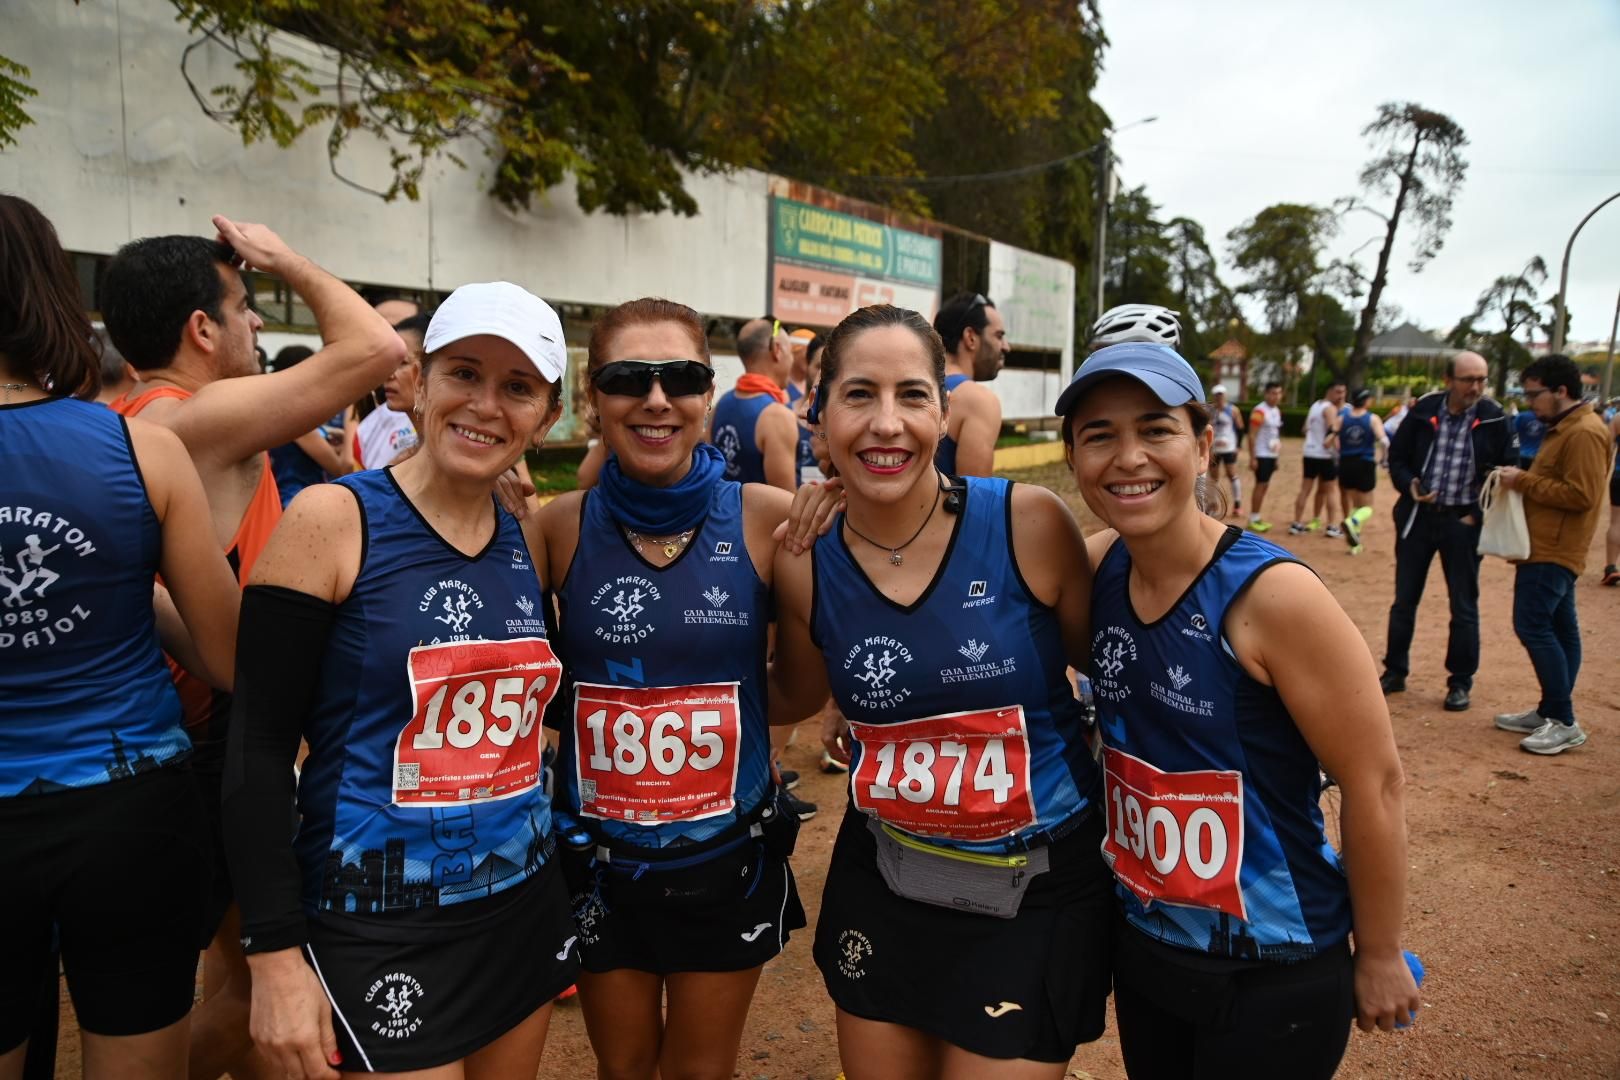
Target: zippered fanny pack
[(976, 882)]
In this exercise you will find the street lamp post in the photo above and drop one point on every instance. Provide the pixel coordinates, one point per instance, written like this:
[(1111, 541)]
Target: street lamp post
[(1105, 184), (1563, 276)]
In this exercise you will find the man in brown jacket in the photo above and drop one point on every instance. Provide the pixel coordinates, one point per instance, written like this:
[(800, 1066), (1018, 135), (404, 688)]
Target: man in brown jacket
[(1563, 499)]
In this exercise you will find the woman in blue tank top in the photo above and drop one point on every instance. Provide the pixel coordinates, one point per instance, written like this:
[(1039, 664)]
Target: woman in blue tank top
[(396, 622), (963, 929), (101, 824), (1216, 706), (675, 844)]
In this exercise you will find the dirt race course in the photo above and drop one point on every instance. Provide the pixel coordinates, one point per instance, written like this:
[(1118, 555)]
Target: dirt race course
[(1514, 887)]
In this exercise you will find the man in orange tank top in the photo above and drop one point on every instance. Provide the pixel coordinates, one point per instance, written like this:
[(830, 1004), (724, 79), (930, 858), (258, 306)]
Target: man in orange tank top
[(179, 311)]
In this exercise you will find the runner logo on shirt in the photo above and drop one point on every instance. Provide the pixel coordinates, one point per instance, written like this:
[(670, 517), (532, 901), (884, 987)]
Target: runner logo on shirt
[(1111, 650), (873, 662), (452, 603), (853, 949), (395, 996), (622, 602), (27, 617)]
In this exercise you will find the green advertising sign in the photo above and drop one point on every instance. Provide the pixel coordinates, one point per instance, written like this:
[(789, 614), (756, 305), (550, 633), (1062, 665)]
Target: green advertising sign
[(820, 237)]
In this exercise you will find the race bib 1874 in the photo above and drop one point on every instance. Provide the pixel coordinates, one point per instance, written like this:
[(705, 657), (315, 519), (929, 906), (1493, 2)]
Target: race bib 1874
[(1174, 837), (961, 776), (475, 710), (653, 754)]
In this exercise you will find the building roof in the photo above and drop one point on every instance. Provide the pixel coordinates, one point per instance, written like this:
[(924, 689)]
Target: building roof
[(1409, 340), (1232, 350)]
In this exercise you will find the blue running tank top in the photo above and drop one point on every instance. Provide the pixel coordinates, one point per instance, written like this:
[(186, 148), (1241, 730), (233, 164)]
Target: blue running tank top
[(1531, 431), (84, 691), (807, 468), (945, 455), (1356, 436), (966, 731), (423, 783), (294, 470), (664, 736), (732, 432), (1211, 793)]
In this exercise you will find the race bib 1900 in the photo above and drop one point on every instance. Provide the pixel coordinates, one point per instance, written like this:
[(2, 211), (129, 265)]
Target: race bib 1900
[(650, 754), (1175, 837), (475, 709), (961, 776)]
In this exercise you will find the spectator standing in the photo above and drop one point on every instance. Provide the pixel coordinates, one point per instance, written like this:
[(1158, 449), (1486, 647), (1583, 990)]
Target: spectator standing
[(1439, 457), (1563, 499), (975, 348)]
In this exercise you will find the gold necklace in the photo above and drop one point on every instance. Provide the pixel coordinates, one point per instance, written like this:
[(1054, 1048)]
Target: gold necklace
[(672, 546)]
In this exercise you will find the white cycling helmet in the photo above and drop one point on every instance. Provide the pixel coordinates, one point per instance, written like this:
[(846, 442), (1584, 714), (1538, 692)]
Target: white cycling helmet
[(1137, 322)]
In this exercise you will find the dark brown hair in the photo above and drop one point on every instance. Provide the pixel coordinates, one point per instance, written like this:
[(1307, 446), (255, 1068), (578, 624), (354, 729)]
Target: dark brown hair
[(649, 309), (873, 318), (44, 331)]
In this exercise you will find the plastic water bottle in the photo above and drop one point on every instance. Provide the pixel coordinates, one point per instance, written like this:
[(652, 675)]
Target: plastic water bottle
[(1415, 966)]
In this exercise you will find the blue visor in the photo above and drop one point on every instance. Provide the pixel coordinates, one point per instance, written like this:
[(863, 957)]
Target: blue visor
[(1157, 367)]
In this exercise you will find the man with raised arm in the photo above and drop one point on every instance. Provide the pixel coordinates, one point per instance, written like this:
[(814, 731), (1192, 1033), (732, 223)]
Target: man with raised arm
[(178, 309)]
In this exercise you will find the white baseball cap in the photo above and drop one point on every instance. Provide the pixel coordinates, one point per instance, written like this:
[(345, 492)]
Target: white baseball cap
[(507, 311), (1218, 388)]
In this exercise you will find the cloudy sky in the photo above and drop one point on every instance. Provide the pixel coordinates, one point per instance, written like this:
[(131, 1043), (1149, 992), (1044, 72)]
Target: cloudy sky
[(1263, 101)]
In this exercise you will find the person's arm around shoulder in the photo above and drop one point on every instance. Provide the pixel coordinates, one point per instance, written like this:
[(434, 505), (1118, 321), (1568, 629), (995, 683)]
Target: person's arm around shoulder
[(195, 571), (1052, 558), (977, 411), (1279, 630), (230, 420), (308, 567), (777, 436)]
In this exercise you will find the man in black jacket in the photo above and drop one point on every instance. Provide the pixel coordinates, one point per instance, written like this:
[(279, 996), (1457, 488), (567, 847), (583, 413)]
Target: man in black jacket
[(1442, 452)]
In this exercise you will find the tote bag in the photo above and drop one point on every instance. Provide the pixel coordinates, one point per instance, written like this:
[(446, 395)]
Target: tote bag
[(1505, 533)]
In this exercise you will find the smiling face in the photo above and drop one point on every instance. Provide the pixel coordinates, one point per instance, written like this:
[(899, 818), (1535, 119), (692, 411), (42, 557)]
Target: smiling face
[(654, 436), (483, 403), (883, 418), (1136, 460)]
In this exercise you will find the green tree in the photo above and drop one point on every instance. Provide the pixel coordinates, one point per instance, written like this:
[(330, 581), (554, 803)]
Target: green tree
[(1205, 303), (1281, 250), (1138, 253), (13, 93), (1511, 300), (1419, 161)]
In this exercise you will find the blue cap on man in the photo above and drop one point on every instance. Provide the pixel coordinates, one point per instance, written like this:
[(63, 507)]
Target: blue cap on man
[(1157, 367)]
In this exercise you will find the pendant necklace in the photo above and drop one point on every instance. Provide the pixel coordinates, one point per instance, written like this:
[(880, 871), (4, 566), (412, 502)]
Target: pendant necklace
[(895, 558), (672, 547), (10, 387)]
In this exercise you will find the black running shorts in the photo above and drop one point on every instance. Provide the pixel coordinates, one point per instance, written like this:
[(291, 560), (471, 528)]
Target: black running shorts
[(1324, 469), (1264, 467), (425, 988), (1358, 474), (1187, 1014), (1226, 457), (1614, 488), (748, 928), (1034, 986), (120, 869), (208, 766)]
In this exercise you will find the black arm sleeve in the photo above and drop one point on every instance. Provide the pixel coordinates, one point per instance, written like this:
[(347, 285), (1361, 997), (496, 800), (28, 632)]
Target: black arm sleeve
[(279, 648)]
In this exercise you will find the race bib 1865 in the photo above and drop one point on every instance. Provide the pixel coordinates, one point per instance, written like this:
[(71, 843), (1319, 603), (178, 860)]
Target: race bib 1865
[(961, 776), (475, 709), (1174, 837), (650, 754)]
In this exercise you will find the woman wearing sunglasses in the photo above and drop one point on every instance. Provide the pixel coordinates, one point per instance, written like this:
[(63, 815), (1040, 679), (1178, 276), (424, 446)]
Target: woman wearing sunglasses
[(397, 623), (1231, 955), (676, 849), (964, 927)]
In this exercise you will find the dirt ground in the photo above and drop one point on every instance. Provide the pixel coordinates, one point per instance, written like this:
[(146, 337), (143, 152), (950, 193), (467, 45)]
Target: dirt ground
[(1514, 887)]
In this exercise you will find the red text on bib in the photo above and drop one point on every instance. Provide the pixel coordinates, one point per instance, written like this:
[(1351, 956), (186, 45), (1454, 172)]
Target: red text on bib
[(961, 776), (1174, 837), (474, 730), (649, 755)]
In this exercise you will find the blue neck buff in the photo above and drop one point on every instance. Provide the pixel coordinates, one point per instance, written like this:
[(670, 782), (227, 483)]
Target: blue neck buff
[(662, 511)]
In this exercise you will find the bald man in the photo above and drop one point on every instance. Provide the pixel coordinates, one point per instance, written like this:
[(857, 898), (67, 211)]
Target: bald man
[(1441, 454), (753, 426)]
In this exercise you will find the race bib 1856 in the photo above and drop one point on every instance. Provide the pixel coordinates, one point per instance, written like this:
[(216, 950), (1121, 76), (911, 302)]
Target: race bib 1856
[(475, 709), (961, 776), (1174, 837), (650, 754)]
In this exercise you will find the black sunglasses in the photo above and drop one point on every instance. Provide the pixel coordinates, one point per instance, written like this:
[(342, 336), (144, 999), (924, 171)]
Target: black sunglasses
[(634, 378)]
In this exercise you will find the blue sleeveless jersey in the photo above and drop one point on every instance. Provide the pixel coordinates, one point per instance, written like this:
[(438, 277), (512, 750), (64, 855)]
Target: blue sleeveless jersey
[(1356, 436), (422, 785), (1531, 431), (1171, 699), (85, 695), (945, 455), (807, 468), (732, 431), (294, 470), (632, 633), (975, 644)]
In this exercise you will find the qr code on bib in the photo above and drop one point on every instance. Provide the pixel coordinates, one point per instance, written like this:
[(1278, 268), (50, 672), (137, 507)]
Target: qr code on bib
[(587, 791), (408, 777)]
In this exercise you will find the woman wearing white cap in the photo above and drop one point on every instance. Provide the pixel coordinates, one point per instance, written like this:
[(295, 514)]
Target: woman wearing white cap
[(396, 622), (1231, 946)]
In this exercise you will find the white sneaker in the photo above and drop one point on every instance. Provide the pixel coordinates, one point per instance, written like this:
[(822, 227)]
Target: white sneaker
[(1524, 722), (1553, 738)]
